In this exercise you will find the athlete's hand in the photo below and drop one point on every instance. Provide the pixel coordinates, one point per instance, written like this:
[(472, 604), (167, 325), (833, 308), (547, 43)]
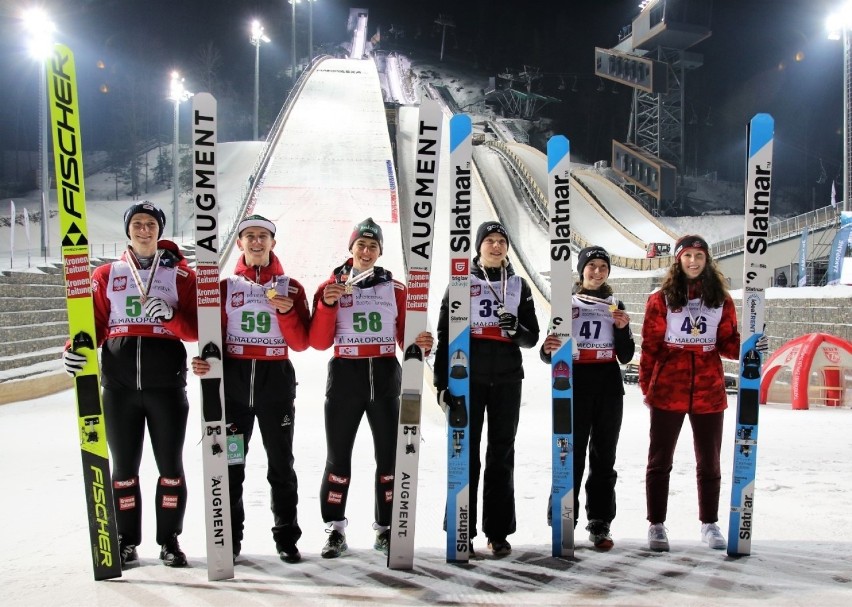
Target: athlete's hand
[(762, 344), (74, 362), (425, 342), (332, 292), (158, 308), (508, 322), (282, 303), (200, 366), (551, 344)]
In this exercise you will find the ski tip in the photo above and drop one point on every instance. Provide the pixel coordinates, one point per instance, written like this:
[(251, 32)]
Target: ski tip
[(460, 130), (558, 148)]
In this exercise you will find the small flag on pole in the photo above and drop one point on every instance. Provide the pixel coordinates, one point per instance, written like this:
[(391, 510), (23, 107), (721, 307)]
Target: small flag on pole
[(833, 195), (12, 235), (27, 233)]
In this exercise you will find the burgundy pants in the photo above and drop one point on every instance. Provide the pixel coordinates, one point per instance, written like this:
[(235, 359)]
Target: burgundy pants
[(707, 442)]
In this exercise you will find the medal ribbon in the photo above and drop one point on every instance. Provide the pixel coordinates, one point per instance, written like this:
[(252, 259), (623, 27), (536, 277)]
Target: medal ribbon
[(137, 278), (504, 280)]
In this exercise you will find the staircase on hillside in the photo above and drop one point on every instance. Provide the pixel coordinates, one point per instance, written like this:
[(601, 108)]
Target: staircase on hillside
[(34, 329)]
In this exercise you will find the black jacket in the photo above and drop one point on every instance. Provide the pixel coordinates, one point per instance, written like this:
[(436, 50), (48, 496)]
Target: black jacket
[(491, 361)]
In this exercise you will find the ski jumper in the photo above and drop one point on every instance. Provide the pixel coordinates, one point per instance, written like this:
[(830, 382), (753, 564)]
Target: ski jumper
[(680, 374), (260, 384), (364, 377), (495, 388), (143, 375), (598, 400)]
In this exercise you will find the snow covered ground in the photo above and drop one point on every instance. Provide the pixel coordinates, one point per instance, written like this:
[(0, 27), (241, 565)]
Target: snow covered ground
[(802, 547)]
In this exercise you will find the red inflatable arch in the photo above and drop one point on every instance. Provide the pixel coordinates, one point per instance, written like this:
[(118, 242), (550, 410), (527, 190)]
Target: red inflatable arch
[(814, 367)]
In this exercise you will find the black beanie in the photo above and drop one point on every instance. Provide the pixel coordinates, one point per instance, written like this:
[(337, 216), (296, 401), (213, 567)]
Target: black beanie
[(367, 229), (588, 254), (148, 209), (490, 227)]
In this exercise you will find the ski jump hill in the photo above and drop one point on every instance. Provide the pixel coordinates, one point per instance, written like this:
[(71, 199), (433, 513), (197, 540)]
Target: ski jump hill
[(330, 162)]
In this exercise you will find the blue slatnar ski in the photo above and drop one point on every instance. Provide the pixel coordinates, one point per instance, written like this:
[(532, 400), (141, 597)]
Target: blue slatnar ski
[(562, 513), (756, 277), (458, 427)]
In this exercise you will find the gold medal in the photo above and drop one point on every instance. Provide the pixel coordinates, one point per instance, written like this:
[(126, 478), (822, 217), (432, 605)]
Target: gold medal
[(696, 331), (271, 293), (347, 288), (613, 307)]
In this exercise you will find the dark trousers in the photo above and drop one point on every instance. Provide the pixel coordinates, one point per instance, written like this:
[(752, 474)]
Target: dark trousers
[(502, 403), (597, 425), (342, 418), (707, 442), (126, 414), (276, 420)]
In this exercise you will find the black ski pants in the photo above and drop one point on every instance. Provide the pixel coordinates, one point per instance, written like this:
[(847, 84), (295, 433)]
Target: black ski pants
[(598, 411), (165, 412), (357, 387), (264, 390), (502, 403)]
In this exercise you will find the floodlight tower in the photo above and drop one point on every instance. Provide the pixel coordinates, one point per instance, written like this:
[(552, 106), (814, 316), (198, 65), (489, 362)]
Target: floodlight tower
[(257, 38), (652, 58), (41, 28), (838, 25), (177, 94)]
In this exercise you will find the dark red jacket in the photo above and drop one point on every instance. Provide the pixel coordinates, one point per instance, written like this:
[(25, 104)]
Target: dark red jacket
[(677, 379), (324, 321), (294, 324), (138, 363)]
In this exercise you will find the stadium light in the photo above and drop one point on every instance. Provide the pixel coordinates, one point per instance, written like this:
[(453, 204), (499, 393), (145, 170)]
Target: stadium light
[(257, 38), (177, 94), (838, 25), (40, 29)]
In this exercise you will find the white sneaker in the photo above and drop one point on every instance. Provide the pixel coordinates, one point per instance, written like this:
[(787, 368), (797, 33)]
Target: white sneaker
[(657, 538), (712, 536)]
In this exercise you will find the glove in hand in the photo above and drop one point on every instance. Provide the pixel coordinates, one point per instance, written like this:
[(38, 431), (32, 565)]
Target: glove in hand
[(159, 309), (508, 322), (74, 362)]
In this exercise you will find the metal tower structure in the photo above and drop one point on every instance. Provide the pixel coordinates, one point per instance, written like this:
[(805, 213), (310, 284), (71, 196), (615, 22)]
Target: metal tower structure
[(652, 58)]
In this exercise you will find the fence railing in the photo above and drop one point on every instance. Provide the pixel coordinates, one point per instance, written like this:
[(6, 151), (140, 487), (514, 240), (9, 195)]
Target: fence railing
[(781, 230), (539, 206)]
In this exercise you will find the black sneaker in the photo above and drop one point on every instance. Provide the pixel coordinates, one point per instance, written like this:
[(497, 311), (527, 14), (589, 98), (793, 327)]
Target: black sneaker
[(335, 545), (126, 552), (382, 541), (171, 554), (500, 547), (291, 557), (599, 535), (288, 553)]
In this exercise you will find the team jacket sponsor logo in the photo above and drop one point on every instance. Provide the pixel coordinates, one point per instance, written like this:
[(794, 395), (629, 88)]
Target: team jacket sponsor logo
[(339, 480), (170, 482), (335, 497)]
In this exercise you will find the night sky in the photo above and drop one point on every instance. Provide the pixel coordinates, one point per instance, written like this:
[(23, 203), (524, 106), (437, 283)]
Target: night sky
[(764, 55)]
